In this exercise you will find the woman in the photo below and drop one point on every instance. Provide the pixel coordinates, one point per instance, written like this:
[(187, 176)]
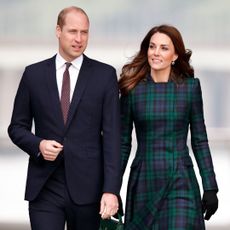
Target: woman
[(161, 97)]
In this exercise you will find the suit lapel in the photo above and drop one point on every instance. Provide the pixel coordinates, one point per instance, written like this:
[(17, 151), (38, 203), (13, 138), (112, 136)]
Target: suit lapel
[(81, 83), (53, 90)]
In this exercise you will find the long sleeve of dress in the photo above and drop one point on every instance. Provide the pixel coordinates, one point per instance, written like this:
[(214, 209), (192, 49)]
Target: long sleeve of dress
[(126, 129), (199, 139)]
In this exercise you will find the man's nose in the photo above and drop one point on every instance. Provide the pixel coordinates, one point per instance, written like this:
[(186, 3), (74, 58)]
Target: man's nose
[(78, 37)]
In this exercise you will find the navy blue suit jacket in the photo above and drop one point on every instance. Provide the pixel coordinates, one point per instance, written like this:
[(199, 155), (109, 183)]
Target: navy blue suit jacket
[(91, 137)]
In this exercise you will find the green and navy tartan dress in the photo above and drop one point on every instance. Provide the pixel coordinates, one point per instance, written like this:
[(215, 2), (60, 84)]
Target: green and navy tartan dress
[(163, 192)]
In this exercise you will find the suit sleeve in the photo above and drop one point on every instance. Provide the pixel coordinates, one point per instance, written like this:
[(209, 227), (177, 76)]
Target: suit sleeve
[(126, 129), (111, 137), (20, 126), (199, 139)]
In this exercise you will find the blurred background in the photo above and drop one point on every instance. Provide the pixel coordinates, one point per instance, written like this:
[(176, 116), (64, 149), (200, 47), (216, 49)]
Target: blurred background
[(27, 35)]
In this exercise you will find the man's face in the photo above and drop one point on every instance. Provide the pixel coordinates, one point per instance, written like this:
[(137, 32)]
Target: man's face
[(73, 36)]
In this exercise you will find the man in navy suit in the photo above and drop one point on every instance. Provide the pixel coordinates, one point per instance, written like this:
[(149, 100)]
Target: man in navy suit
[(74, 161)]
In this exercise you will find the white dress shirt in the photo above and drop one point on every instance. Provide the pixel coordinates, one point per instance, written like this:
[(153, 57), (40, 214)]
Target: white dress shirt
[(73, 72)]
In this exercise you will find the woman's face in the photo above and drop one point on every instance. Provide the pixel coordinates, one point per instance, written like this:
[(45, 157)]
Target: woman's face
[(161, 52)]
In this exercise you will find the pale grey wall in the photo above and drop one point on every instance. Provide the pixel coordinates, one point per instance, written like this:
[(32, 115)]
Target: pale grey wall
[(27, 34)]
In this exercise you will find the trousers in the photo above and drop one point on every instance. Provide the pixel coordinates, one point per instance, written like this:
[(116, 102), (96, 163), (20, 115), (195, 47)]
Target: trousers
[(54, 208)]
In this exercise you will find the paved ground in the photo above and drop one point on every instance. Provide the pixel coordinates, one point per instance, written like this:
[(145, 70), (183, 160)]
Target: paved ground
[(13, 166)]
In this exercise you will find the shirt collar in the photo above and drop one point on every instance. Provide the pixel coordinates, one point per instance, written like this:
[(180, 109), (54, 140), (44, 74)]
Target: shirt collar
[(60, 61)]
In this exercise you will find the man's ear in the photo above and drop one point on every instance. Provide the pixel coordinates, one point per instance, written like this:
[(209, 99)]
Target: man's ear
[(58, 31)]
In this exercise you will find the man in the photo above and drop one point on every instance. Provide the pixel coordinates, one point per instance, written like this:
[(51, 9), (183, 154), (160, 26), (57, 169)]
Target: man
[(74, 163)]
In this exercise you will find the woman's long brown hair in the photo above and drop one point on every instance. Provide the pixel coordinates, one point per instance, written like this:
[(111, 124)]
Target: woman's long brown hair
[(137, 69)]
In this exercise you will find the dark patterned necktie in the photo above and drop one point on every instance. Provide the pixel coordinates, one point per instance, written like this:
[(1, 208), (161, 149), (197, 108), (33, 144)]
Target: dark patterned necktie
[(65, 92)]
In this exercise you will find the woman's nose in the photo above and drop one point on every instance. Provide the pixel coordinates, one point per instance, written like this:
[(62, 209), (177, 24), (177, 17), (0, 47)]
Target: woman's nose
[(156, 51)]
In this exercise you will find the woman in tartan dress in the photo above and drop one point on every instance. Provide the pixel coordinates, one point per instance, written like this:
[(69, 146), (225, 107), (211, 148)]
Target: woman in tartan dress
[(163, 100)]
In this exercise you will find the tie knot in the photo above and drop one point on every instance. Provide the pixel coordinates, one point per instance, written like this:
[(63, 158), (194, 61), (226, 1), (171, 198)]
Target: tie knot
[(68, 64)]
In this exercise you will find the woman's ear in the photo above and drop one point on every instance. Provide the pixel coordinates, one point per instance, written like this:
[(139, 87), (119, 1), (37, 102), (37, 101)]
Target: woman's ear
[(175, 57)]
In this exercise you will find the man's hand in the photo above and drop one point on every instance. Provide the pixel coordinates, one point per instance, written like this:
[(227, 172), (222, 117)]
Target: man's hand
[(50, 149), (109, 205)]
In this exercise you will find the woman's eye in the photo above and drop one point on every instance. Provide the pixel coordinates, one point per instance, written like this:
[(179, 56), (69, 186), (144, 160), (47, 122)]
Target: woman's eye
[(164, 48)]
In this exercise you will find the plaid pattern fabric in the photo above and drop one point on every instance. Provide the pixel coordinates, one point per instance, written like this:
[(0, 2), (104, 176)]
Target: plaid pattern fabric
[(163, 192)]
